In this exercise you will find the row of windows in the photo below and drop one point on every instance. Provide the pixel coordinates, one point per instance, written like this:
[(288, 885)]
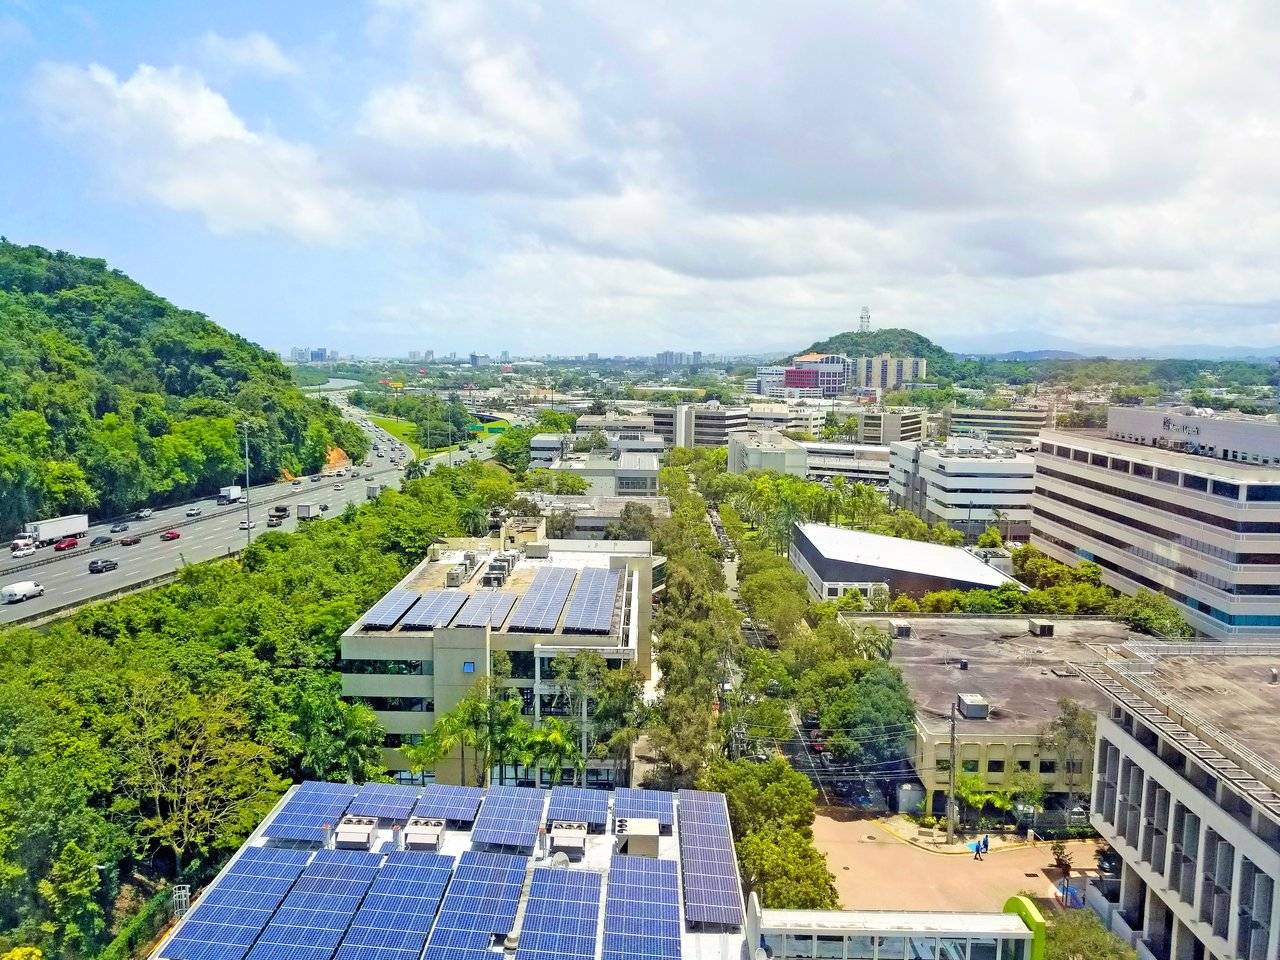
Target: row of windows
[(837, 946), (1047, 767), (398, 704), (403, 668), (1254, 492)]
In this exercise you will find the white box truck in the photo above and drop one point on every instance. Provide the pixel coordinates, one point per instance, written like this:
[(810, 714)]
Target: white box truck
[(308, 511), (372, 490), (229, 494), (50, 531)]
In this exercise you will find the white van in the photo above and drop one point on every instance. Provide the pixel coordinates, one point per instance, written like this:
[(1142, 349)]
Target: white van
[(24, 590)]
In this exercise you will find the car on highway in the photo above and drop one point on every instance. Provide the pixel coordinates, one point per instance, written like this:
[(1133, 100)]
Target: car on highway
[(275, 521), (130, 541), (120, 528), (21, 552), (338, 486), (170, 535), (99, 541), (368, 463), (244, 498), (193, 511), (317, 478), (296, 483), (67, 543), (247, 524), (324, 507), (102, 566), (23, 590), (143, 514), (380, 455)]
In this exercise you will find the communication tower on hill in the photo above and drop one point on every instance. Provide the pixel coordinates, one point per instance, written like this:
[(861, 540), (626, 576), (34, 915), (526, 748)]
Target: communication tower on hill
[(864, 321)]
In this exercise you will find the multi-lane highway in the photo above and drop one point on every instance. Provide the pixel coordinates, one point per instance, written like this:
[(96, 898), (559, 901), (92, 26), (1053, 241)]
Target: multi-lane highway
[(215, 533)]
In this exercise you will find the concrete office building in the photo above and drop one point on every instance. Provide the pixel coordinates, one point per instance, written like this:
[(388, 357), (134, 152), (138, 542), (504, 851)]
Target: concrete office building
[(1005, 682), (882, 427), (966, 483), (835, 561), (549, 449), (789, 417), (1187, 791), (886, 372), (855, 462), (592, 515), (758, 450), (1184, 504), (612, 424), (1017, 427), (614, 474), (420, 649), (698, 424)]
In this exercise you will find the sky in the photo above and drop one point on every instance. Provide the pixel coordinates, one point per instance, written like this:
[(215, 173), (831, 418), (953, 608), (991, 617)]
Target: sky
[(626, 178)]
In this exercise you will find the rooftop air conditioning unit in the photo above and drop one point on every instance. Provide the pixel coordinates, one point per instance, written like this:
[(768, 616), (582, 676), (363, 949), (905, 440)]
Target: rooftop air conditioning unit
[(900, 629), (422, 833), (455, 576), (972, 706), (569, 838), (637, 836), (355, 833), (1040, 628)]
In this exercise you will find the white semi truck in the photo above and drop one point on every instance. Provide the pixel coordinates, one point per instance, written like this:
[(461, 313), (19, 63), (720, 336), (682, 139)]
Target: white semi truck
[(50, 531)]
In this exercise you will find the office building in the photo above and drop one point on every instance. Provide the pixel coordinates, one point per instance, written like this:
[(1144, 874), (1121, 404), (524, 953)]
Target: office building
[(855, 462), (612, 424), (592, 515), (415, 356), (1187, 791), (1184, 504), (616, 473), (1005, 682), (428, 356), (787, 417), (968, 484), (835, 561), (672, 358), (828, 373), (417, 652), (899, 425), (885, 372), (766, 450), (698, 424), (697, 358), (1016, 427), (318, 355), (347, 872)]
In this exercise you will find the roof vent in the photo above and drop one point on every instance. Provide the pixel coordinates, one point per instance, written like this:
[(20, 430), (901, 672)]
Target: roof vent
[(1040, 628), (1275, 676), (972, 706)]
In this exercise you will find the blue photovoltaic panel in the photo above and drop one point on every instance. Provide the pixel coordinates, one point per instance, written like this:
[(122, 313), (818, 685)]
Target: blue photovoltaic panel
[(579, 805), (486, 607), (396, 915), (510, 817), (231, 914), (712, 892), (442, 801), (480, 904), (435, 609), (312, 806), (652, 804), (561, 916), (593, 603), (386, 801), (539, 609), (642, 911), (314, 917), (386, 613)]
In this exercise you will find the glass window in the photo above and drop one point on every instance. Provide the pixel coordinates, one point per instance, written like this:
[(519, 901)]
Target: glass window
[(799, 945), (1192, 482), (861, 948), (953, 948), (893, 948), (469, 667), (1220, 488), (995, 766), (982, 948), (922, 948), (1167, 476), (772, 943), (1266, 492), (1142, 470), (1013, 950), (943, 765), (1118, 464), (1024, 764), (1048, 766), (1098, 459), (830, 946), (969, 766), (1080, 456)]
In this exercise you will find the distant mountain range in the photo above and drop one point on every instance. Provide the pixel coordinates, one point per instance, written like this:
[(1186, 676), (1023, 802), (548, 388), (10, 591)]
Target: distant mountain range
[(1034, 345)]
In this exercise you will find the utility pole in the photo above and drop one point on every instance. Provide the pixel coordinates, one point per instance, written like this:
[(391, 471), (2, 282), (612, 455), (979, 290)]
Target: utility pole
[(248, 524), (951, 790)]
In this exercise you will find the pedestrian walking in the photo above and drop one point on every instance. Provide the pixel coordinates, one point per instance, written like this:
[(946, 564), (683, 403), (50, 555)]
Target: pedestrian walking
[(986, 843), (977, 849)]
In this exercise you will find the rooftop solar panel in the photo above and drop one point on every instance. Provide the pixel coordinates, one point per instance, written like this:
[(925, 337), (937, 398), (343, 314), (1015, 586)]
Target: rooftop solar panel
[(386, 801), (446, 802), (386, 613), (592, 606), (510, 817), (561, 916), (579, 805), (309, 809), (712, 891), (654, 804), (642, 911), (399, 909), (486, 607), (435, 609), (540, 608), (480, 904), (314, 917)]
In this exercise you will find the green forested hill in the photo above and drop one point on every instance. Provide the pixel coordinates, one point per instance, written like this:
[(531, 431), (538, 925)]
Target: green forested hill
[(895, 341), (111, 397)]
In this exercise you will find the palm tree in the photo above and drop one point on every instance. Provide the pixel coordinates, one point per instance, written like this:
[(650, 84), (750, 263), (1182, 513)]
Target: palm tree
[(474, 519), (555, 741), (447, 734), (416, 469)]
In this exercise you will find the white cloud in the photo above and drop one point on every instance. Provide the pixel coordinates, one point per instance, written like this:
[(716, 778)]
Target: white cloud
[(164, 135), (252, 53)]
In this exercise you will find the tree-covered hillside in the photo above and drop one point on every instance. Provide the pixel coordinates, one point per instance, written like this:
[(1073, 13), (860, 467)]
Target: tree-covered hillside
[(895, 341), (111, 397)]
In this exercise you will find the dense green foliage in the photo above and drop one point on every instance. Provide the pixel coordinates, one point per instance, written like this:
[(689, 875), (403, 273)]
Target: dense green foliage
[(436, 423), (892, 340), (150, 734), (111, 397), (1080, 935)]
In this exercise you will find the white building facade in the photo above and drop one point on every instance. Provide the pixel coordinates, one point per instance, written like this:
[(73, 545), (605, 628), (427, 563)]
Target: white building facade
[(967, 484)]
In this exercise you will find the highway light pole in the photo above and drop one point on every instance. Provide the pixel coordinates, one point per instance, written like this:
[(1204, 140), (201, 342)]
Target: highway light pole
[(248, 525)]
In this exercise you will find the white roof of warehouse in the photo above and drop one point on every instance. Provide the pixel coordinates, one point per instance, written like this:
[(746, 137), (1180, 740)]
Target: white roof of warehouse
[(896, 553)]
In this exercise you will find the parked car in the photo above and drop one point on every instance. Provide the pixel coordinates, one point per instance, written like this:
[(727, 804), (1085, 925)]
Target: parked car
[(102, 566), (130, 541), (193, 511), (67, 543), (120, 528), (26, 551), (170, 535), (99, 541), (247, 524), (144, 514)]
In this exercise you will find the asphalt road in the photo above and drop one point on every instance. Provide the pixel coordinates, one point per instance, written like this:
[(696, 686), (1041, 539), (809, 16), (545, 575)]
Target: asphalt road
[(216, 533)]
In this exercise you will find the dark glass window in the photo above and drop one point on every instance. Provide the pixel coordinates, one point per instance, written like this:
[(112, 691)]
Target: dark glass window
[(1142, 470), (995, 766), (1167, 476), (1098, 459), (1221, 488), (1048, 766), (1080, 456), (1193, 482), (1121, 465), (1266, 493)]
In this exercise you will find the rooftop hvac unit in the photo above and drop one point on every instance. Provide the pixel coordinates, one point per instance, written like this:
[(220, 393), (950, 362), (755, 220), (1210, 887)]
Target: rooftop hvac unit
[(422, 833), (972, 706), (470, 559), (569, 838), (355, 833), (455, 576), (1040, 628), (637, 836), (900, 629)]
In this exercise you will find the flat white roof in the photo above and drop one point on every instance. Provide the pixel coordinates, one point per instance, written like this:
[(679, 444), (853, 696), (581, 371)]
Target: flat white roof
[(891, 921), (896, 553)]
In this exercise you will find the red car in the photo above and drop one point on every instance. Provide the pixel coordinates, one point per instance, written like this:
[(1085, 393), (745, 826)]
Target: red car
[(170, 535), (69, 543), (130, 541)]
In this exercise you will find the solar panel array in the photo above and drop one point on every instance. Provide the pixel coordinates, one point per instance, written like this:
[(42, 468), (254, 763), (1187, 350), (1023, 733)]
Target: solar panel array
[(579, 805), (386, 613), (396, 915), (510, 817), (561, 916), (642, 911), (231, 914), (435, 609), (386, 801), (314, 917), (654, 804), (591, 609), (712, 893), (486, 607), (540, 608), (480, 904), (312, 806), (445, 802)]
